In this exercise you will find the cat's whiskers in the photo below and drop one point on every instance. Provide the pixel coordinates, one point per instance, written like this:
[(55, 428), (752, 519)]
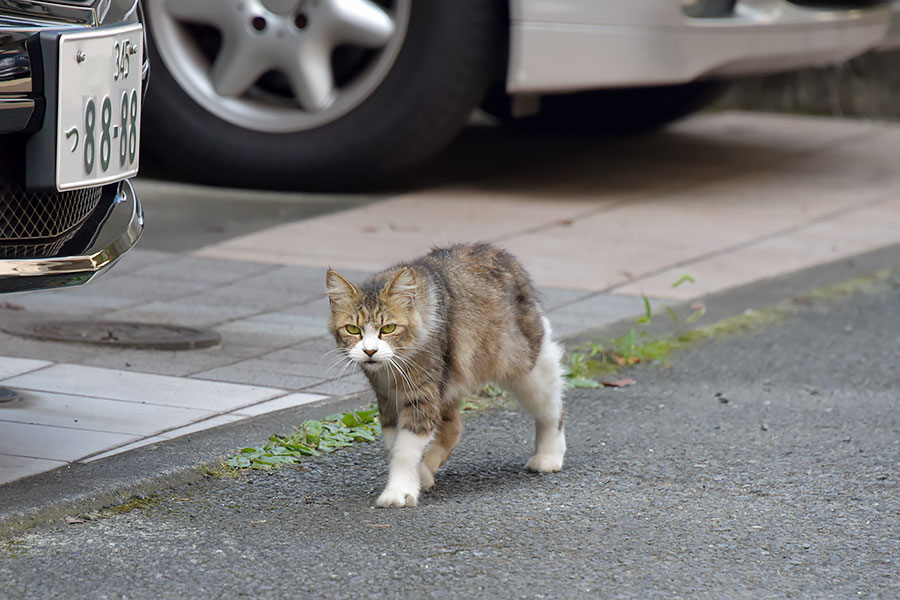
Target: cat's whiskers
[(415, 350), (416, 391), (405, 361), (399, 370), (411, 398), (420, 370), (419, 347), (410, 361), (341, 355), (341, 360), (413, 388), (396, 387), (347, 365)]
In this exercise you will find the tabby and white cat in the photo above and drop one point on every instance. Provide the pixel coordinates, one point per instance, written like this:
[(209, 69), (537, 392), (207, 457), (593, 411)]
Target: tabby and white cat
[(429, 331)]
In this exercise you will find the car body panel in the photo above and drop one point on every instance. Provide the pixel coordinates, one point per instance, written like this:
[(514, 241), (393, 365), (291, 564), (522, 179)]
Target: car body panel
[(609, 43)]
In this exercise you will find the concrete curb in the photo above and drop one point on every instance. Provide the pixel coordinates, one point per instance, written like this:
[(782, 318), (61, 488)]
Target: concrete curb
[(753, 296), (81, 488)]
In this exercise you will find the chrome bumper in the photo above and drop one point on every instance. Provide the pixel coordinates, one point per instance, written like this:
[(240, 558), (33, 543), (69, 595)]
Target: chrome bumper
[(588, 44), (119, 229)]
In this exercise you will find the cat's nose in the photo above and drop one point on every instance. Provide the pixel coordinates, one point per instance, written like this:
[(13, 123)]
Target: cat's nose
[(370, 352)]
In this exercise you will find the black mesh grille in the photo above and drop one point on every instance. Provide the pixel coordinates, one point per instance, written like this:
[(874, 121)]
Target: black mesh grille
[(33, 250), (36, 224), (25, 216)]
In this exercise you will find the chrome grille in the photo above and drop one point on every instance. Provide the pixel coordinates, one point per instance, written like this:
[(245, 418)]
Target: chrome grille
[(25, 216), (37, 224)]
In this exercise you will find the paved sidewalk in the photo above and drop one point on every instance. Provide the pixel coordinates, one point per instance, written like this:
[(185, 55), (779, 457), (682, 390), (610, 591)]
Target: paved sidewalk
[(728, 198)]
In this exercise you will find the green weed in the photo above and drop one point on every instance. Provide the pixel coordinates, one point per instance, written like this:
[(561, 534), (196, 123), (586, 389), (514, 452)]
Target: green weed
[(134, 503), (312, 438), (585, 366), (220, 470), (592, 361)]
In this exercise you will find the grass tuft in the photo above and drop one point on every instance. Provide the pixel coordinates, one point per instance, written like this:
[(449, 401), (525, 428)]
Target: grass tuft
[(134, 503)]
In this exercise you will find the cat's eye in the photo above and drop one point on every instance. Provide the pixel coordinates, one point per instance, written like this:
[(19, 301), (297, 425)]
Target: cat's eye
[(388, 328), (352, 329)]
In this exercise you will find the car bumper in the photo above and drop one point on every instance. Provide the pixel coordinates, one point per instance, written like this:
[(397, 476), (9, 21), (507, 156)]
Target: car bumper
[(114, 227), (587, 44)]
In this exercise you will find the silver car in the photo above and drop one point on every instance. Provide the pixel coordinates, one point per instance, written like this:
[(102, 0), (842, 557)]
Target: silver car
[(343, 93)]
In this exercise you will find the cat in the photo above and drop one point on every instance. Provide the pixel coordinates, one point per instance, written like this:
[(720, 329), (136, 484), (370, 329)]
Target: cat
[(429, 331)]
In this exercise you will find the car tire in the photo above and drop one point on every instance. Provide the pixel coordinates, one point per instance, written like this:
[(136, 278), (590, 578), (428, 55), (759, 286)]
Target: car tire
[(627, 111), (450, 53)]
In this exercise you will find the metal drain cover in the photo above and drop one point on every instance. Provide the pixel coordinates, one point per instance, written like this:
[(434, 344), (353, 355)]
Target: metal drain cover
[(123, 334), (8, 395)]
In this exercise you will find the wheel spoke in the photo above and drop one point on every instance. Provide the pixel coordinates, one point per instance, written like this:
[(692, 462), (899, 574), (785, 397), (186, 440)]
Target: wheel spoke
[(236, 68), (360, 23), (311, 78)]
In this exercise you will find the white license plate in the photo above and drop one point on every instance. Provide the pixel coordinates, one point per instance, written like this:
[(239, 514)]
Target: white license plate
[(99, 106)]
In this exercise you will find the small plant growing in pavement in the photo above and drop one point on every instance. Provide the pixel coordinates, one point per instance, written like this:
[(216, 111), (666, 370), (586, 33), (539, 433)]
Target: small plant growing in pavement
[(584, 367), (335, 431), (485, 397), (311, 439)]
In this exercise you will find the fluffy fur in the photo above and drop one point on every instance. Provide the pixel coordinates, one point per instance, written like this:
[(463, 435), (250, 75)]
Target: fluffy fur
[(427, 332)]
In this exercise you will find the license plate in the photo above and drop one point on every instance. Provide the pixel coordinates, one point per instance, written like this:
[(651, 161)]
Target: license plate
[(98, 131)]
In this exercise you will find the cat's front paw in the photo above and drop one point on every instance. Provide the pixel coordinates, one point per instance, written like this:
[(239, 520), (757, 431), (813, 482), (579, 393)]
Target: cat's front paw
[(396, 498), (426, 479), (545, 463)]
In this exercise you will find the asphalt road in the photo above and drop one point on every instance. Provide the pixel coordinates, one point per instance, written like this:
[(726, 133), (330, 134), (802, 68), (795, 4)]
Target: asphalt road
[(791, 488)]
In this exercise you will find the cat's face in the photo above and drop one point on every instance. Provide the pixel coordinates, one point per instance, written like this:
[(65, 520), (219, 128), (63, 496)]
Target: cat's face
[(374, 325)]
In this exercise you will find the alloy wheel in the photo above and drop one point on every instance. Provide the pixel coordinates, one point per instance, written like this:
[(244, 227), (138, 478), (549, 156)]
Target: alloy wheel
[(278, 66)]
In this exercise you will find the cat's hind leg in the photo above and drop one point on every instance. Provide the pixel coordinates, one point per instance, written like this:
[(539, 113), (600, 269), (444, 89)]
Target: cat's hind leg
[(540, 393), (445, 440)]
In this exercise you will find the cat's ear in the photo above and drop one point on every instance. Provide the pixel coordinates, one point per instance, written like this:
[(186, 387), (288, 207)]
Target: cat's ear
[(402, 286), (338, 287)]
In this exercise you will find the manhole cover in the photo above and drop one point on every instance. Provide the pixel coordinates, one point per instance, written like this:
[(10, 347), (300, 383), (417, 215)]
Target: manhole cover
[(8, 395), (119, 333)]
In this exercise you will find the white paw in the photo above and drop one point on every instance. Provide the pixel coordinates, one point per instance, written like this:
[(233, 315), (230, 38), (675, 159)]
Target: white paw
[(426, 479), (545, 463), (396, 498)]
